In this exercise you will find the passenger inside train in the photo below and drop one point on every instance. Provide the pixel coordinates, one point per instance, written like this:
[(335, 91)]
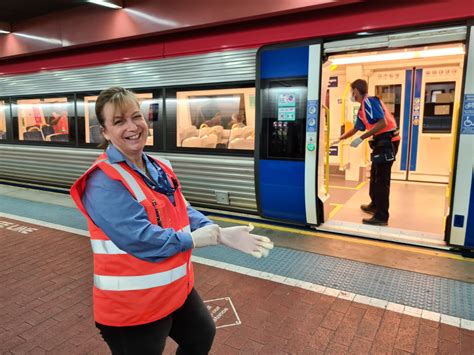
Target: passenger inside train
[(421, 88)]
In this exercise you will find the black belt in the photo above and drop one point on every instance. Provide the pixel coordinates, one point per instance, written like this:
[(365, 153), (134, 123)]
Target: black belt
[(385, 135)]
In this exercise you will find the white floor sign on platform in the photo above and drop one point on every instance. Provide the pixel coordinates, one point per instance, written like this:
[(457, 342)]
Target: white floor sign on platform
[(223, 312)]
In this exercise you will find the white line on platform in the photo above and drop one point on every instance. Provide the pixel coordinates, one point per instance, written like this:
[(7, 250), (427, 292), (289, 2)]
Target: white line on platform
[(45, 224), (375, 302)]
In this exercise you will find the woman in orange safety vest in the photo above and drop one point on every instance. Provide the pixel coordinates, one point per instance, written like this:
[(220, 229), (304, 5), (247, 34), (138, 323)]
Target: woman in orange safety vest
[(142, 233)]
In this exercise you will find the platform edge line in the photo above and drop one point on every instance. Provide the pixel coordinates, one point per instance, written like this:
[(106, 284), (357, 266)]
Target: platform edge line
[(41, 223)]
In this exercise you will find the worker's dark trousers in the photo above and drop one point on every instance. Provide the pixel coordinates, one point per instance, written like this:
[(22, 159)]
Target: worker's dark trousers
[(379, 191), (191, 326)]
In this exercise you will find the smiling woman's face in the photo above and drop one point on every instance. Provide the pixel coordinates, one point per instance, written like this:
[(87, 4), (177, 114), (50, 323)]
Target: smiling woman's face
[(125, 127)]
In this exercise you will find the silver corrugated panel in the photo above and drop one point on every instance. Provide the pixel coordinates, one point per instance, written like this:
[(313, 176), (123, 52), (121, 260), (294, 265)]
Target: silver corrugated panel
[(200, 175), (397, 40), (216, 67)]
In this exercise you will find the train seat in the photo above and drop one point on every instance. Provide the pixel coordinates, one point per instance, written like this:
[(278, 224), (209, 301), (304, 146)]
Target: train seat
[(47, 130), (35, 135), (189, 132), (209, 141), (236, 133), (241, 143), (58, 137), (248, 132), (204, 131), (193, 142)]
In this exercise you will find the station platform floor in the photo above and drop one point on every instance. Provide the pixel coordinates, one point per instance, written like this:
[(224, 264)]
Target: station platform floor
[(315, 293)]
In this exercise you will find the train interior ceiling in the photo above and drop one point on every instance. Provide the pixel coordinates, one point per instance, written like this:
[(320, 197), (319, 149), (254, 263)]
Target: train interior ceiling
[(422, 88)]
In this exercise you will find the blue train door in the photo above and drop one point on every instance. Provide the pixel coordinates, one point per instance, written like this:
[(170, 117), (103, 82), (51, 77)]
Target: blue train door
[(286, 151)]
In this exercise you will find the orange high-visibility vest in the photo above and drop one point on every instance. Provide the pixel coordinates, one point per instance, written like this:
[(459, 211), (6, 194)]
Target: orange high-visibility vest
[(391, 124), (127, 290)]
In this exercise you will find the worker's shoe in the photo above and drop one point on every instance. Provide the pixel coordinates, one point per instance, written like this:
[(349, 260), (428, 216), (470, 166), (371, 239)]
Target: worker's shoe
[(374, 221), (368, 208)]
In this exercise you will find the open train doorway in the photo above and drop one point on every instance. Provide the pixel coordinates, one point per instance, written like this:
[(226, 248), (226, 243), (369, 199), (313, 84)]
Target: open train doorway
[(421, 86)]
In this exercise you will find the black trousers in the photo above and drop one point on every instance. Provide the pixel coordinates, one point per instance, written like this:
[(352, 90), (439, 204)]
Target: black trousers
[(191, 326), (379, 190)]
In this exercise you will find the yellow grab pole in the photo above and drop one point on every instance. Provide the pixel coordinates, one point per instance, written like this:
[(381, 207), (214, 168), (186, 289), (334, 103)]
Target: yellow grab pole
[(453, 151), (328, 132), (341, 148), (455, 128)]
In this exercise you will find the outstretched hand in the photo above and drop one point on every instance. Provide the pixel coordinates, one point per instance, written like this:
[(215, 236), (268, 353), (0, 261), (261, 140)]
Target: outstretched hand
[(241, 239)]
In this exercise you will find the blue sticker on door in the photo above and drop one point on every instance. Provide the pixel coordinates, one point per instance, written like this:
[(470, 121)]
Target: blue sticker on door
[(467, 124)]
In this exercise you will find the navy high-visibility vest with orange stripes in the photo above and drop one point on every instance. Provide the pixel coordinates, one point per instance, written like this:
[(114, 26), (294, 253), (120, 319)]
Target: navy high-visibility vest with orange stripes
[(391, 124), (127, 290)]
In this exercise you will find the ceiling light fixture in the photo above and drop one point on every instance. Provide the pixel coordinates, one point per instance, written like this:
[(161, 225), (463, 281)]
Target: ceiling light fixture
[(5, 27), (39, 38), (152, 19), (112, 4), (428, 53)]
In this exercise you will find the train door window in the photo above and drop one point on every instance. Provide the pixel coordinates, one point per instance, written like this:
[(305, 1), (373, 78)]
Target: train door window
[(391, 95), (148, 105), (3, 120), (284, 118), (438, 107), (215, 119), (44, 119)]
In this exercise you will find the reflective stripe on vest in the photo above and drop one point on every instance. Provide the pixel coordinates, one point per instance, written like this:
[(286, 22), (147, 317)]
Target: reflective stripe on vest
[(137, 191), (105, 247), (108, 247), (130, 180), (131, 283)]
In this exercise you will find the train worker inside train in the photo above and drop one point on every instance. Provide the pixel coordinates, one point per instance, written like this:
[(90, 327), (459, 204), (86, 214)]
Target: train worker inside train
[(142, 233), (378, 123)]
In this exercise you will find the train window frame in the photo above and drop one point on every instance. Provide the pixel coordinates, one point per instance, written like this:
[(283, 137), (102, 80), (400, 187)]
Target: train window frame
[(8, 121), (431, 88), (71, 99), (170, 116), (157, 126)]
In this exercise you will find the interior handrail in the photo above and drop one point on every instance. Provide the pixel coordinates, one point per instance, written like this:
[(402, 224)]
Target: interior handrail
[(328, 146)]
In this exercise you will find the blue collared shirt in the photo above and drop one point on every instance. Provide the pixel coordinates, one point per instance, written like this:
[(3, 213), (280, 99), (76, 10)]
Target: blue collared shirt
[(125, 221), (373, 112)]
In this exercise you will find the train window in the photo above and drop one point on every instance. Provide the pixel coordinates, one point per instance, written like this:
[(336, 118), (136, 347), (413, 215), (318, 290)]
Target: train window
[(438, 107), (391, 95), (148, 106), (216, 119), (3, 120), (45, 119)]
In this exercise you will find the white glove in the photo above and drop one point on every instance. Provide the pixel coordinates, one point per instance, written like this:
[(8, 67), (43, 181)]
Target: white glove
[(356, 142), (205, 236), (240, 238)]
